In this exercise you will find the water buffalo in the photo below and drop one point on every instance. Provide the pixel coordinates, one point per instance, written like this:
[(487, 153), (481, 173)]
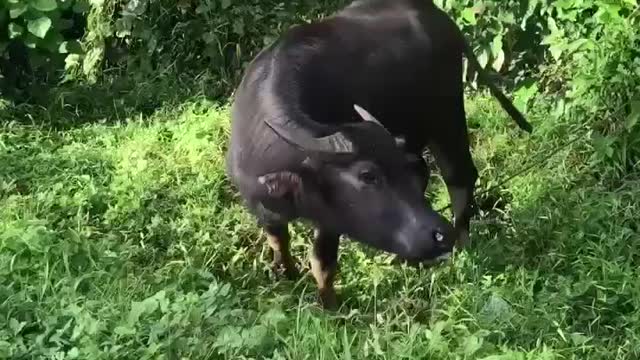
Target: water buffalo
[(329, 124)]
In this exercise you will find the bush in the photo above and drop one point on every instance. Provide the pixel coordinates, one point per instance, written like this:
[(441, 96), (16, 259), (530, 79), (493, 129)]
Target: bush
[(595, 70), (37, 36), (211, 35), (583, 51)]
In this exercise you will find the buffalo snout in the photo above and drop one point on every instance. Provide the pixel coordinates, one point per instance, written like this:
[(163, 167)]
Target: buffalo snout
[(430, 240)]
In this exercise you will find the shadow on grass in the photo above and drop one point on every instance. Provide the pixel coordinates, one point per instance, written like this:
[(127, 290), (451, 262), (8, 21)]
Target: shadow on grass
[(114, 99)]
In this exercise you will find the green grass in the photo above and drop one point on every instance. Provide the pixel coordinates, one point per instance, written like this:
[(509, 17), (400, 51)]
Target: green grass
[(120, 238)]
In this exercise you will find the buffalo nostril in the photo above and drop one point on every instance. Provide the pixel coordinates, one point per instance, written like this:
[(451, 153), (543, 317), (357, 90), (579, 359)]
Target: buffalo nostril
[(438, 236)]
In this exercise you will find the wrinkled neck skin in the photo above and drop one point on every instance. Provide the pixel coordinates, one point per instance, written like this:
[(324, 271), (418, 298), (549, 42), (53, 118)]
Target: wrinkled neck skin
[(313, 205)]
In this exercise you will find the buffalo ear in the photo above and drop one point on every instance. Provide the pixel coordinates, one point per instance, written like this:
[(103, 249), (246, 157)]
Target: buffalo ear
[(281, 183)]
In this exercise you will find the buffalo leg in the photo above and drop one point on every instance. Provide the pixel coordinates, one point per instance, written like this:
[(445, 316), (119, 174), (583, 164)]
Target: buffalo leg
[(454, 160), (278, 238), (324, 263), (422, 169)]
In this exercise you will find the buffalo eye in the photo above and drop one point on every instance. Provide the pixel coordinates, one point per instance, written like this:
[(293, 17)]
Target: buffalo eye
[(368, 177)]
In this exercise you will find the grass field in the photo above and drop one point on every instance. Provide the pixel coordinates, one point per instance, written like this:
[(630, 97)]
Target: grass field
[(120, 238)]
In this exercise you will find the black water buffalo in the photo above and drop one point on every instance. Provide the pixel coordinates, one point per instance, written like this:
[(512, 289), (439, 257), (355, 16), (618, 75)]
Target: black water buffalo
[(329, 125)]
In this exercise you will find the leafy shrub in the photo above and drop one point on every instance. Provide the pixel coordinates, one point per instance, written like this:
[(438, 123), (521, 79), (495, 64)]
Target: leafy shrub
[(221, 35), (218, 36), (584, 52), (596, 71), (37, 35), (505, 35)]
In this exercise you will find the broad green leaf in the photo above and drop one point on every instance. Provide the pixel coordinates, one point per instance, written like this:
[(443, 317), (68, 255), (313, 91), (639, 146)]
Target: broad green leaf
[(202, 8), (138, 308), (603, 145), (559, 109), (508, 356), (496, 309), (81, 7), (16, 326), (209, 37), (523, 95), (507, 17), (499, 61), (225, 4), (483, 58), (123, 26), (564, 4), (556, 51), (609, 13), (135, 7), (52, 41), (43, 5), (15, 30), (634, 115), (579, 339), (238, 27), (471, 345), (30, 41), (124, 330), (254, 336), (496, 45), (273, 317), (551, 23), (16, 10), (547, 40), (39, 27), (479, 8), (575, 45), (469, 15), (70, 47), (73, 353), (229, 338)]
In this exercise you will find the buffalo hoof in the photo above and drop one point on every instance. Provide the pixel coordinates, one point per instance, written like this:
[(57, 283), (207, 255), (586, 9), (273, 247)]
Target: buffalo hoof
[(328, 299), (288, 271)]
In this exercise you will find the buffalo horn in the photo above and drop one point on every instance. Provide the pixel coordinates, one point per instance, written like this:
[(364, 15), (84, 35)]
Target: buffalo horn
[(298, 136), (366, 116)]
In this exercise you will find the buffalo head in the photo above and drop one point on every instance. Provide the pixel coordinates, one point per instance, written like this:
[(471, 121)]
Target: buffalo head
[(357, 180)]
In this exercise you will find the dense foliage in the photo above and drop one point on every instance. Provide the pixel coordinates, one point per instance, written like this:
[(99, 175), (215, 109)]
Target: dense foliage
[(575, 46), (120, 236)]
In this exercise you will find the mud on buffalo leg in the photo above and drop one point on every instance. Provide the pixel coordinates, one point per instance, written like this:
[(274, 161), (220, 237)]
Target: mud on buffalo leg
[(453, 157), (278, 238), (324, 263)]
